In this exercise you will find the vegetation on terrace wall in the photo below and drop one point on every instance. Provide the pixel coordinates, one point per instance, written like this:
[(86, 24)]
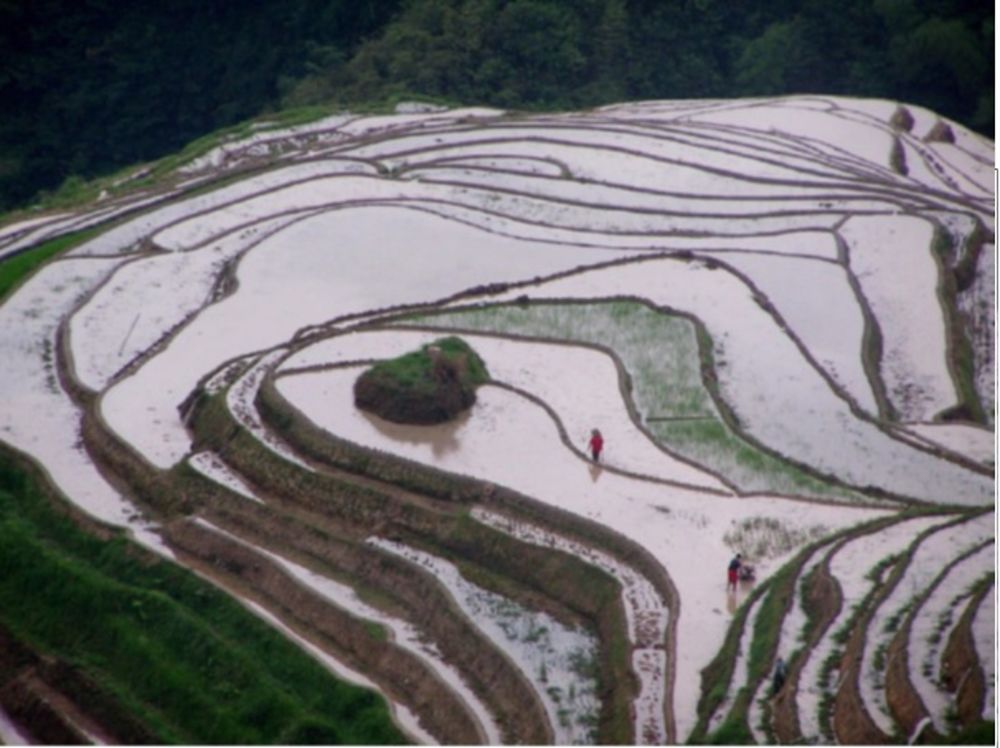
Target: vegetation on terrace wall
[(15, 269), (206, 672), (89, 87)]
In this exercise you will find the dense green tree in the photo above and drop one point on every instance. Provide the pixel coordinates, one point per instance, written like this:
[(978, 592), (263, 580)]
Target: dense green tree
[(767, 62), (90, 85), (610, 59)]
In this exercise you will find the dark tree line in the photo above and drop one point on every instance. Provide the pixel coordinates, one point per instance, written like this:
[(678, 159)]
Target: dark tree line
[(558, 53), (89, 85)]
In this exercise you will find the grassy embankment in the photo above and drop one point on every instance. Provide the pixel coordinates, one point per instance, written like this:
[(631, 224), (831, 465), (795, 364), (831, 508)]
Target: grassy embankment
[(488, 558), (15, 269), (182, 658)]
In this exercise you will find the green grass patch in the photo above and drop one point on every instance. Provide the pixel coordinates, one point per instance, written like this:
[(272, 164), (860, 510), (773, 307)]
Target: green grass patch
[(180, 656), (732, 732), (767, 627), (416, 369), (981, 733), (717, 675), (15, 269)]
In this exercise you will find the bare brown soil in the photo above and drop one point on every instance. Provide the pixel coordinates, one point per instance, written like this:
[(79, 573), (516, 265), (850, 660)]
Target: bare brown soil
[(905, 703), (823, 601), (960, 669), (851, 722)]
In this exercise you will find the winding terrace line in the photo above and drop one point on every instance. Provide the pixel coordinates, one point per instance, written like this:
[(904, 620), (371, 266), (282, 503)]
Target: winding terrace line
[(761, 299), (905, 703), (624, 389), (625, 379), (130, 468), (251, 470), (822, 601), (401, 322), (308, 442), (403, 674), (961, 670), (852, 722), (930, 196)]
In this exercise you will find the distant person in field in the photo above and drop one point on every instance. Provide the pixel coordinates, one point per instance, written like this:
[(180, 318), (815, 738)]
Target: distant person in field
[(596, 445), (734, 571), (780, 673)]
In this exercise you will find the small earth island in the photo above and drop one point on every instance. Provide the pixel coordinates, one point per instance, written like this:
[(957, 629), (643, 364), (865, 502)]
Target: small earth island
[(429, 386)]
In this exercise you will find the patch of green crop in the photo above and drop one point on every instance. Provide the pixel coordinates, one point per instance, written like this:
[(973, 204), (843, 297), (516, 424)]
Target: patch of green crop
[(15, 269), (181, 657), (767, 626), (662, 355), (716, 677)]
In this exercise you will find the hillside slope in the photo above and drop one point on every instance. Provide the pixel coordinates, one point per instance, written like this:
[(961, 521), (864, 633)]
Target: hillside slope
[(779, 312)]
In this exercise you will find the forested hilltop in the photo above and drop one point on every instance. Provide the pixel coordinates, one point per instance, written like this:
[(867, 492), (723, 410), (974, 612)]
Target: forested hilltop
[(88, 87)]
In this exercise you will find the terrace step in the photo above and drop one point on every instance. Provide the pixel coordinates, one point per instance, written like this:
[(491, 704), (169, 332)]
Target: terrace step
[(961, 671), (405, 678)]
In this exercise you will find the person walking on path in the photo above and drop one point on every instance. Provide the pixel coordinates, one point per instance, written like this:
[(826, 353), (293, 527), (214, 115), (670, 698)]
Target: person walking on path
[(596, 445), (734, 572)]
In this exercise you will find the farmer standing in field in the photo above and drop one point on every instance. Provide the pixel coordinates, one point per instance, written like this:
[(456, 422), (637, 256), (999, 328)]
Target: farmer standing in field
[(596, 445), (780, 673), (734, 572)]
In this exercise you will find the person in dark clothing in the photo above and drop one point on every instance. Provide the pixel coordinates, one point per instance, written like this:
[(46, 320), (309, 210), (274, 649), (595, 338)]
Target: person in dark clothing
[(596, 445), (780, 673), (734, 571)]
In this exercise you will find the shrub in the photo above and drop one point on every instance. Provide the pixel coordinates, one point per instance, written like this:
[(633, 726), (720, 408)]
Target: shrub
[(428, 386)]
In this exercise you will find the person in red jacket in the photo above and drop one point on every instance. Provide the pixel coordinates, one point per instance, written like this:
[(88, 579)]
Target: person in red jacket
[(596, 445), (733, 573)]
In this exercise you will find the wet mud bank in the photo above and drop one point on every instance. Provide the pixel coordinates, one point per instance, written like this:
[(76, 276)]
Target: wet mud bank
[(401, 589)]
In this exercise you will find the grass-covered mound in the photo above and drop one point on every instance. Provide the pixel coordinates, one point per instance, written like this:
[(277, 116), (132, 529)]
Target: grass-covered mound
[(427, 386)]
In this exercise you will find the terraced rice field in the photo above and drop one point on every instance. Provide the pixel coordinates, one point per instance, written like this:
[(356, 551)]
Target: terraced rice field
[(779, 312)]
